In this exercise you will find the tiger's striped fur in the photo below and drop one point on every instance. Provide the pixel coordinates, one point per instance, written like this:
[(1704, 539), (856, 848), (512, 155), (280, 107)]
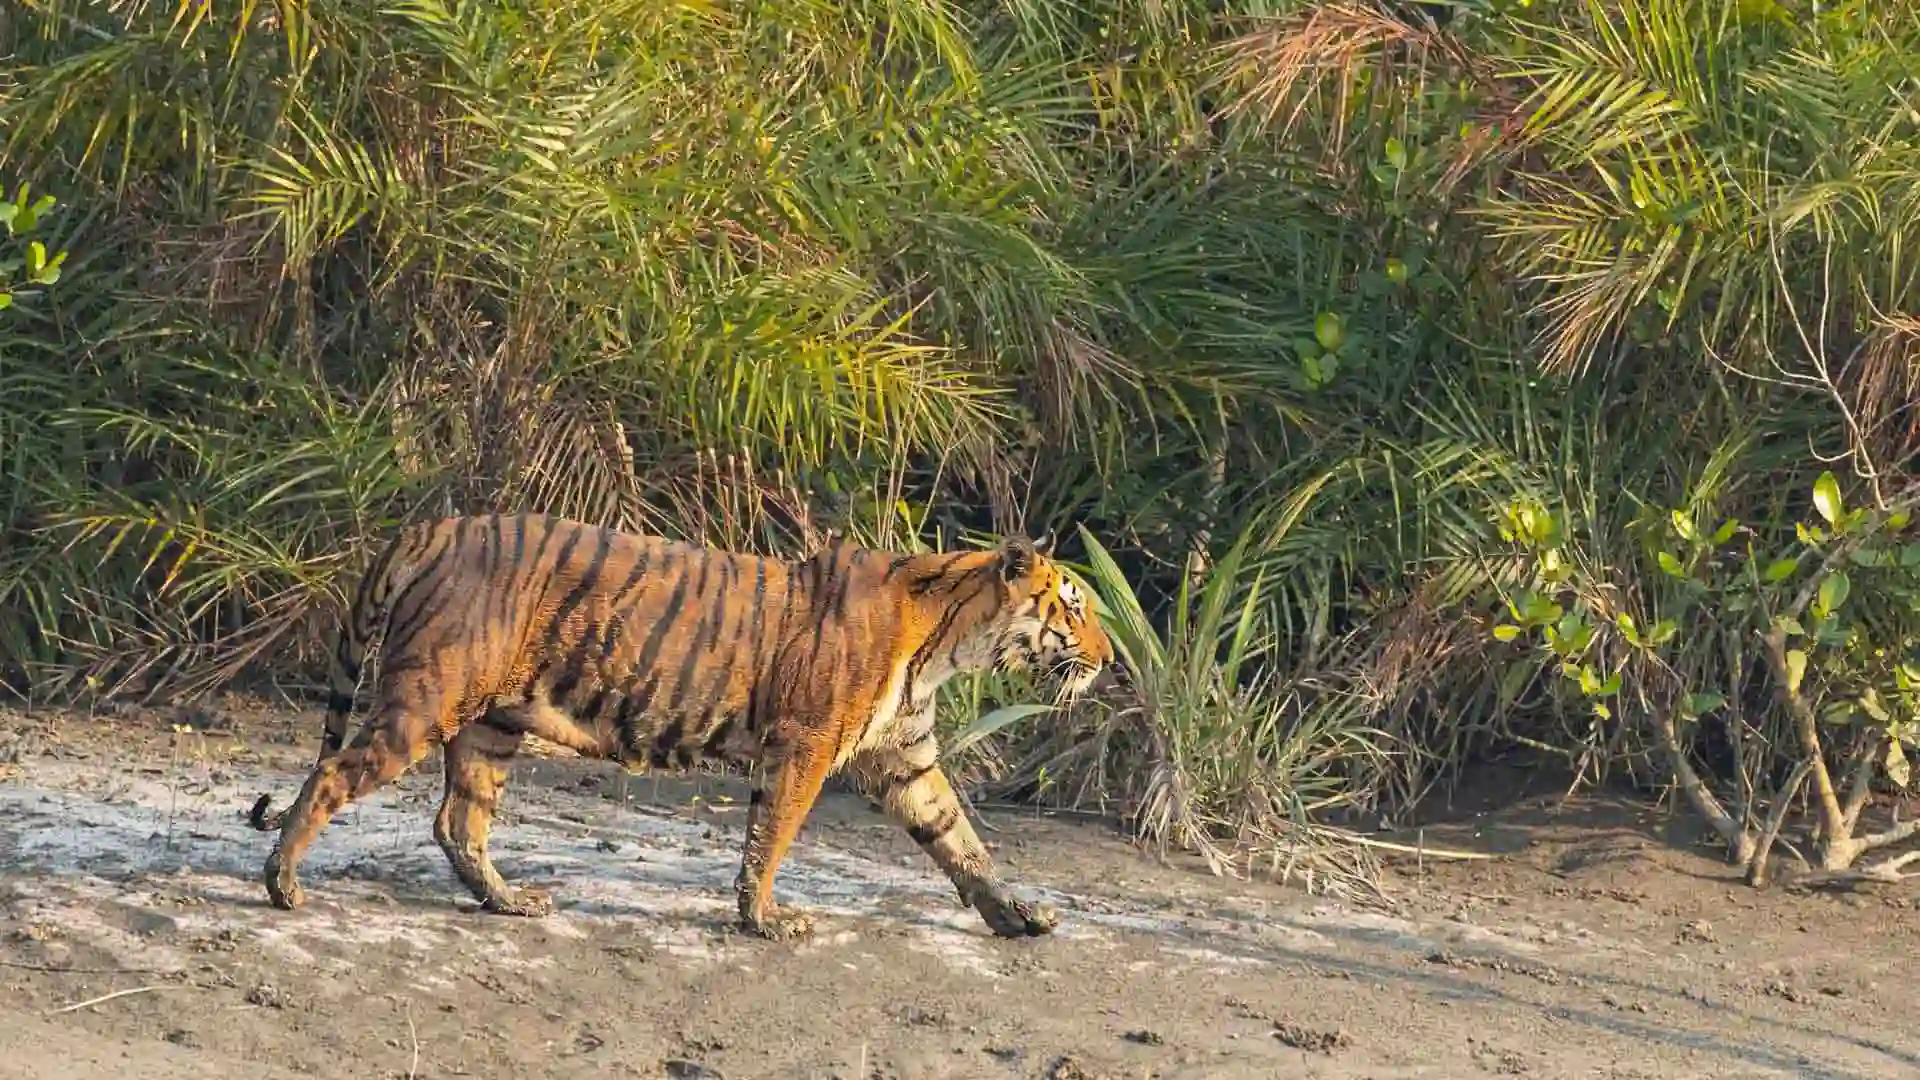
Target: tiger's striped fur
[(657, 653)]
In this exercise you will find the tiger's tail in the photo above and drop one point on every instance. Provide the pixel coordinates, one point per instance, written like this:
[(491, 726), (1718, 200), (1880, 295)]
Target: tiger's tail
[(351, 637)]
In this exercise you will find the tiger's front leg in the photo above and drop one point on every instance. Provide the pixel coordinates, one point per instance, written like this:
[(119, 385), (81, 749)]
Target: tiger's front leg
[(909, 783)]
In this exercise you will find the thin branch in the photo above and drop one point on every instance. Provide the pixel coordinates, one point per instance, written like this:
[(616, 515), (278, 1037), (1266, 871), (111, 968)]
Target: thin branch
[(1782, 803), (104, 998)]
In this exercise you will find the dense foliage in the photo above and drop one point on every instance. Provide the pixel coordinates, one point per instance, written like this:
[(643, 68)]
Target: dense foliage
[(1433, 373)]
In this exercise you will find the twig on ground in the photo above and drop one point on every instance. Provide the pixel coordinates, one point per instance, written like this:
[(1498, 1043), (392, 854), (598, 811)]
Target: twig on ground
[(1421, 850), (104, 998), (413, 1036)]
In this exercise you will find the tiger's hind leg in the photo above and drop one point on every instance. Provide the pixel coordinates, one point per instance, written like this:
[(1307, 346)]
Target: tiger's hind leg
[(786, 783), (909, 783), (333, 738), (477, 760), (394, 737)]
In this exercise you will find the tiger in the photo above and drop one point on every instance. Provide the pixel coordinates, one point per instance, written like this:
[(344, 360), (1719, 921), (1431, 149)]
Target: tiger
[(657, 653)]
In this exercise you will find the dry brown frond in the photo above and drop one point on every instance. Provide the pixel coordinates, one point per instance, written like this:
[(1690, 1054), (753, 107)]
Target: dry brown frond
[(1882, 384), (1280, 64), (1074, 371)]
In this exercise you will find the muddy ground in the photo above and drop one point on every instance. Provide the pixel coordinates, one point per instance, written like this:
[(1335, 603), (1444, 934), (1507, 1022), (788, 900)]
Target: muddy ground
[(1603, 942)]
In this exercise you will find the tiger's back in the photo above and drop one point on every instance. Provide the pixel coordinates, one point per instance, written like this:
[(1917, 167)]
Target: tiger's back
[(648, 647)]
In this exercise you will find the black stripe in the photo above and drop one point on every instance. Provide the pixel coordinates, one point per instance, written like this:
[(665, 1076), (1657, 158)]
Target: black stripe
[(634, 709), (717, 736), (928, 833), (941, 630), (424, 576), (702, 642), (589, 578), (899, 781), (724, 660), (402, 626), (496, 546), (838, 606), (666, 742), (757, 614), (367, 604), (787, 605), (565, 556), (610, 638), (657, 633), (496, 600), (618, 601), (507, 721), (572, 671)]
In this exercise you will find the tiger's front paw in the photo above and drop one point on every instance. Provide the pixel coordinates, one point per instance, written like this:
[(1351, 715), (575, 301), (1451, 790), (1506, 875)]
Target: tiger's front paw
[(1009, 916), (782, 924)]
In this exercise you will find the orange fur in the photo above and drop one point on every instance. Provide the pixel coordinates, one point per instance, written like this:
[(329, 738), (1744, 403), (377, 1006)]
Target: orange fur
[(657, 653)]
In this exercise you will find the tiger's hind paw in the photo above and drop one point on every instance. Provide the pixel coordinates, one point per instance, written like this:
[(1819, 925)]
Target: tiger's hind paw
[(283, 890), (526, 903), (1009, 916)]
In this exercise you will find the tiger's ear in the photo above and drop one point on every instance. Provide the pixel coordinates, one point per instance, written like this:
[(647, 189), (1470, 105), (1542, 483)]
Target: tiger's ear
[(1044, 545), (1016, 558)]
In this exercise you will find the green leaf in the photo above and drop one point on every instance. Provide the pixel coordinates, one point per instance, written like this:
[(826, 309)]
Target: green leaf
[(1589, 682), (1896, 763), (1627, 627), (1789, 626), (1396, 153), (1661, 633), (1682, 525), (1781, 569), (992, 722), (1704, 702), (36, 257), (1329, 331), (1396, 271), (6, 298), (1796, 670), (1871, 704), (1505, 632), (1611, 686), (1725, 532), (50, 273), (1671, 565), (1826, 497), (1834, 591)]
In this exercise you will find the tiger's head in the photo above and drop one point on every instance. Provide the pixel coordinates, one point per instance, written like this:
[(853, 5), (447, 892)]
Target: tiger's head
[(1050, 625)]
